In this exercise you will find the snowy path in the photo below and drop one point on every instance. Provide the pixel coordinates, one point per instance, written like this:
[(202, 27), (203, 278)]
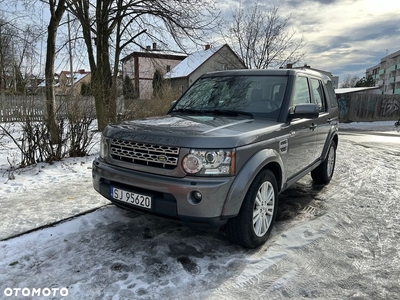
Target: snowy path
[(335, 242)]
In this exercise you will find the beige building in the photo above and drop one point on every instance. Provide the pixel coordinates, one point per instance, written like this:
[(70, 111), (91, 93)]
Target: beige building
[(65, 83), (208, 60), (141, 66), (386, 74)]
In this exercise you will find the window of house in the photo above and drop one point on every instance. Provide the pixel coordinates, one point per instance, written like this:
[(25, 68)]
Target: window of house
[(168, 68), (224, 67)]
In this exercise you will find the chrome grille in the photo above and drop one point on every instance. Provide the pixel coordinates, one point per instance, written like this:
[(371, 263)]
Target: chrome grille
[(145, 154)]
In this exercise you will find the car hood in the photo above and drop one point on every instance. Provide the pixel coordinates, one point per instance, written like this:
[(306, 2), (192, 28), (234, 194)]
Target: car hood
[(194, 130)]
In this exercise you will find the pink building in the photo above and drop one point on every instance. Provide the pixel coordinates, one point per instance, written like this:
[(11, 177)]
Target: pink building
[(141, 66)]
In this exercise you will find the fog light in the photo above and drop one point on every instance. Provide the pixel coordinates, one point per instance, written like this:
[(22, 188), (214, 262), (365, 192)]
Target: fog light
[(195, 197)]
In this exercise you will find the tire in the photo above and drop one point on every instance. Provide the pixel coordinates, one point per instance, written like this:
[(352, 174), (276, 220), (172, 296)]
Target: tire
[(260, 204), (324, 172)]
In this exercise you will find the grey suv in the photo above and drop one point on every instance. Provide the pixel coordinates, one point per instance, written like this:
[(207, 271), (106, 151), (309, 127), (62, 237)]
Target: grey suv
[(224, 151)]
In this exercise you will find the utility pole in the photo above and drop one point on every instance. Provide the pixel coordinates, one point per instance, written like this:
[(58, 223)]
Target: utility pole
[(70, 58), (13, 66)]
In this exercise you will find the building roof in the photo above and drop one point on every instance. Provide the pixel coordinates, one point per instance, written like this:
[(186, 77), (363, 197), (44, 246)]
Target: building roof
[(192, 62), (155, 53), (355, 89), (79, 75)]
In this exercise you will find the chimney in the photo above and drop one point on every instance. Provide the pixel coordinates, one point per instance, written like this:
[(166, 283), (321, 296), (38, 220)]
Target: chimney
[(154, 46), (207, 47), (289, 66), (148, 48), (81, 71)]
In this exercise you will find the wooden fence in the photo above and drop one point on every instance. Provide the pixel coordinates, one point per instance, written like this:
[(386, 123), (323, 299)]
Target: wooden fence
[(18, 108), (369, 107)]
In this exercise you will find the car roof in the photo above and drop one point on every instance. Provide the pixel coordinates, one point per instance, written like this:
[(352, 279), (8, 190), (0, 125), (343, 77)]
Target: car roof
[(266, 72)]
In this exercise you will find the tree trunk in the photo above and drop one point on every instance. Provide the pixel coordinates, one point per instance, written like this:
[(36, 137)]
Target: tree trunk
[(51, 122), (102, 81)]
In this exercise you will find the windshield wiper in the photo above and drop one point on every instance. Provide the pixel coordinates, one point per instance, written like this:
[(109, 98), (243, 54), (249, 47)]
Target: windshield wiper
[(231, 112), (188, 110), (214, 111)]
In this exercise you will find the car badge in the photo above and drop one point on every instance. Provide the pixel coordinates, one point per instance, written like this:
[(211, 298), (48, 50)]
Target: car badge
[(162, 158)]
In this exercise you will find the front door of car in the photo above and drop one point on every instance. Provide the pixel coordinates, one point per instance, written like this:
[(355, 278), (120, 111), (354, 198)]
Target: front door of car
[(302, 133)]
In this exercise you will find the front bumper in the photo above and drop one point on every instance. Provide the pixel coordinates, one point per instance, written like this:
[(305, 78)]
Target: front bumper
[(172, 197)]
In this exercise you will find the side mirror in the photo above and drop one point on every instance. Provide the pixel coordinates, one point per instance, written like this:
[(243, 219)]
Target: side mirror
[(305, 111)]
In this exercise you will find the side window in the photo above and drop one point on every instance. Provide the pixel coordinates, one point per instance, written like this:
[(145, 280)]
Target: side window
[(331, 94), (318, 94), (301, 92)]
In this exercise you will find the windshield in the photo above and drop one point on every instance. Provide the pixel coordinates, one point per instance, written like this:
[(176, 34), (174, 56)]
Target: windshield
[(255, 95)]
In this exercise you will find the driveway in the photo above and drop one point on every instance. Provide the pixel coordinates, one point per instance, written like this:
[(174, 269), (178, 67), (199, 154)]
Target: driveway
[(335, 242)]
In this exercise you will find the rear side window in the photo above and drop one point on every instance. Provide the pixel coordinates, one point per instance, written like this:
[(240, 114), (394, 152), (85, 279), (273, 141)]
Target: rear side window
[(301, 91), (331, 94), (318, 94)]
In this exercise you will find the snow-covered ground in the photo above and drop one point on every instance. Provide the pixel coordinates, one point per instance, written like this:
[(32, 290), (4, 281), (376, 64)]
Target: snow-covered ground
[(335, 242), (369, 126), (27, 195)]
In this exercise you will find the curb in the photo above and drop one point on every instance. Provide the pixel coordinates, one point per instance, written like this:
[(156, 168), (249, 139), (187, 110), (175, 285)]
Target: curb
[(52, 224)]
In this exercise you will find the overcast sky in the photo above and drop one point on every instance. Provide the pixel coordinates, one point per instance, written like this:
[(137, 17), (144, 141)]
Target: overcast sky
[(343, 36)]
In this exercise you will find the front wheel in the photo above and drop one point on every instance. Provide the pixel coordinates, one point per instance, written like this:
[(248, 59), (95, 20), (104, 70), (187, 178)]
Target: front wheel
[(252, 226), (324, 172)]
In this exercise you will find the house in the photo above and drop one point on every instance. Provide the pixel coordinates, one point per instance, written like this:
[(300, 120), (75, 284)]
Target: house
[(41, 87), (387, 74), (65, 83), (210, 59), (141, 66)]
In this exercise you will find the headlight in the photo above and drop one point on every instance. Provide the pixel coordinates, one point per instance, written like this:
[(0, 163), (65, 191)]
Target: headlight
[(209, 162), (103, 147)]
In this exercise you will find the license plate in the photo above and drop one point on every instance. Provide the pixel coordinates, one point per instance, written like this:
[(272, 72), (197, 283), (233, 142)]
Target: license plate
[(131, 198)]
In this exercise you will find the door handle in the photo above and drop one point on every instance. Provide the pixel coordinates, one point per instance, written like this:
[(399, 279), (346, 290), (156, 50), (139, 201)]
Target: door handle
[(313, 126)]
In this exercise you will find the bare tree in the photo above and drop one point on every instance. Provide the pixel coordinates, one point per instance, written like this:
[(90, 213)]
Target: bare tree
[(111, 25), (262, 38), (6, 53), (17, 49), (57, 10), (349, 81)]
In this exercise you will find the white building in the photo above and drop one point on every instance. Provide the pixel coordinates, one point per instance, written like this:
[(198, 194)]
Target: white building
[(387, 74), (211, 59)]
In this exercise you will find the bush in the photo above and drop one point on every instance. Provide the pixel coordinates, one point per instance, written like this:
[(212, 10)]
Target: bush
[(128, 88), (74, 135), (156, 106)]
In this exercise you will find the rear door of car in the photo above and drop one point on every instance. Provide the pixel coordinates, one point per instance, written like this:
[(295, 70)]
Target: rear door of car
[(323, 121), (327, 116)]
